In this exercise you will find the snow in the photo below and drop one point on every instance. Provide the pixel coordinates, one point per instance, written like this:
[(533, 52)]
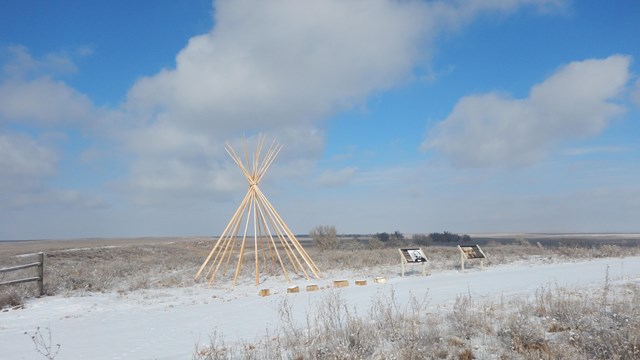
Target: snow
[(168, 323)]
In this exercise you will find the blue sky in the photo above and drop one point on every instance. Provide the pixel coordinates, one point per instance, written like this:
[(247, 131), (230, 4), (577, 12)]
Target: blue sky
[(416, 116)]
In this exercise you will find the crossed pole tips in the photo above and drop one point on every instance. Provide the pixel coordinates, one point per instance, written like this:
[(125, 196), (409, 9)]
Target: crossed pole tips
[(259, 220)]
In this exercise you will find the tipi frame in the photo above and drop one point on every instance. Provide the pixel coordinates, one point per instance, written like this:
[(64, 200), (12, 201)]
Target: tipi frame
[(270, 233)]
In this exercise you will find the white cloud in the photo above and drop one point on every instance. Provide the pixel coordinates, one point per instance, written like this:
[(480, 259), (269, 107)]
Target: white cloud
[(177, 166), (494, 129), (274, 67), (23, 158), (32, 101), (21, 64), (451, 15), (30, 94), (43, 101), (271, 64), (25, 166), (281, 68), (179, 180)]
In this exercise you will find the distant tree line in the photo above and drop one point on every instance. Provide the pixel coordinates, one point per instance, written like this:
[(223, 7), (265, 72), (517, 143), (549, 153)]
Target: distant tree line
[(421, 239), (326, 237), (449, 237), (386, 237)]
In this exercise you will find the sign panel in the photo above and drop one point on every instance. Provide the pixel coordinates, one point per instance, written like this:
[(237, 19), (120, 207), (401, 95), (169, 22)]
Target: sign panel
[(413, 255), (472, 252)]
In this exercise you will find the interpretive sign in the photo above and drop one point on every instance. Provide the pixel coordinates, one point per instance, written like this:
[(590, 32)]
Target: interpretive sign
[(470, 252), (413, 256)]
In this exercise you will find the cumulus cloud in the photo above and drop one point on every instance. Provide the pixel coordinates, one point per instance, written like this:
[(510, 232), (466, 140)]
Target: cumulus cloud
[(33, 109), (494, 129), (280, 68), (274, 67), (273, 64), (43, 101), (30, 93)]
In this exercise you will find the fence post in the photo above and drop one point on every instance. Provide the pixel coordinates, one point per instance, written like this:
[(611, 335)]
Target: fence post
[(41, 274)]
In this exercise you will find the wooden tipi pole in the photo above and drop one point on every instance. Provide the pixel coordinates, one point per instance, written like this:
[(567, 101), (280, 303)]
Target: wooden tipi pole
[(259, 215)]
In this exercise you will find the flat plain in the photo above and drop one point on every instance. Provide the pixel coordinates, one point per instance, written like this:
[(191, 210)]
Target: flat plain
[(136, 298)]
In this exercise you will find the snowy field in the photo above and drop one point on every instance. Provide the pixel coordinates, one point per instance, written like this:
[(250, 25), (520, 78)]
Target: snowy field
[(168, 323)]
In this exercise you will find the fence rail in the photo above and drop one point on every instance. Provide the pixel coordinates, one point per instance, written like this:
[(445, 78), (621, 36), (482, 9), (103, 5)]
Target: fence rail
[(39, 278)]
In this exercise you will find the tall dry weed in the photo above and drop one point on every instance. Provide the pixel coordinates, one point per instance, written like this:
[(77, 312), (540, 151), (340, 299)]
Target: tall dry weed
[(557, 323)]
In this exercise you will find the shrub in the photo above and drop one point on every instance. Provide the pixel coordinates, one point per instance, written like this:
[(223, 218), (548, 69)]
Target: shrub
[(10, 297), (324, 237)]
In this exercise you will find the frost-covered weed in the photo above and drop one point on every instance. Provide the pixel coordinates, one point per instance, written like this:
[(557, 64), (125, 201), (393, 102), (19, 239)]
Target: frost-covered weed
[(558, 323)]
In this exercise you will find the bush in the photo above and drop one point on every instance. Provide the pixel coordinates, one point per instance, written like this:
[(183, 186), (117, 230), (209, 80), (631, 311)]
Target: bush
[(10, 297), (324, 237)]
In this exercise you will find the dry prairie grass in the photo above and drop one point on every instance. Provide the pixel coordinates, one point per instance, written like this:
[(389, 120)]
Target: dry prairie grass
[(111, 268), (557, 324), (148, 263)]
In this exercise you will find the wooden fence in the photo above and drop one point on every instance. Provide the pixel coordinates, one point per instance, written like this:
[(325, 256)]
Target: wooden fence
[(39, 278)]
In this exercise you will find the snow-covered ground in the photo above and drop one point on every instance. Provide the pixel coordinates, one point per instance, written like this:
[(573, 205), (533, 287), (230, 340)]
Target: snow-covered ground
[(168, 323)]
